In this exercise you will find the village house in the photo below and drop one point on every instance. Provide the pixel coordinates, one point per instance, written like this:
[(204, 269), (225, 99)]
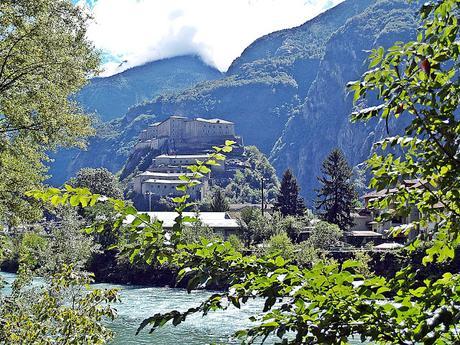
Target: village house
[(384, 227)]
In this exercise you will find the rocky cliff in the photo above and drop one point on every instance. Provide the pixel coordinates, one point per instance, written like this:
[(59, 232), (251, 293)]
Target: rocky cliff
[(323, 121)]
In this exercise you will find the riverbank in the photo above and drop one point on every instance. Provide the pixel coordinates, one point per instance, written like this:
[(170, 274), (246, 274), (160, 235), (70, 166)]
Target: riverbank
[(140, 302)]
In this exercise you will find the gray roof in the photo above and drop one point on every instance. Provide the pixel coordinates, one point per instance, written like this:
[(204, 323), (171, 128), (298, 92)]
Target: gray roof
[(389, 245), (165, 174), (162, 181), (214, 121), (364, 233), (202, 156), (211, 219)]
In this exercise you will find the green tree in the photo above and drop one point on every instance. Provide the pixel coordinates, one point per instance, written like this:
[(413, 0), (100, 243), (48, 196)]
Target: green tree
[(219, 202), (45, 57), (62, 311), (255, 227), (325, 236), (68, 244), (337, 195), (98, 181), (289, 202), (279, 244), (246, 185)]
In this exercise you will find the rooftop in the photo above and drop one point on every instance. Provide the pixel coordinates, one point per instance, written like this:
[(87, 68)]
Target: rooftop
[(391, 245), (214, 121), (203, 156), (161, 181), (165, 174), (363, 233), (211, 219)]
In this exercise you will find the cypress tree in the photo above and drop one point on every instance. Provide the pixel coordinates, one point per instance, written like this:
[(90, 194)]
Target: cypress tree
[(219, 203), (337, 193), (289, 202)]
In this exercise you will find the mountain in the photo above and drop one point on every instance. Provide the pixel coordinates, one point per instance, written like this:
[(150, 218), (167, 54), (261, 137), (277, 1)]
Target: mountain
[(110, 97), (264, 85), (323, 121), (286, 92)]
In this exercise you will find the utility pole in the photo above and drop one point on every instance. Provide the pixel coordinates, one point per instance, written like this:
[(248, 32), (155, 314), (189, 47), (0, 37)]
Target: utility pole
[(150, 200), (262, 185)]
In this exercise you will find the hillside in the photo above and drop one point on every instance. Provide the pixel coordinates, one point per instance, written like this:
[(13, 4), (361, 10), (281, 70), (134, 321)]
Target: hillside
[(264, 85), (307, 41), (286, 92), (111, 97), (323, 122)]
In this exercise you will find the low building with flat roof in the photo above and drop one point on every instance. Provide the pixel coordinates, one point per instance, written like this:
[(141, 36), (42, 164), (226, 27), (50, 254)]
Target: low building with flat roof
[(220, 222)]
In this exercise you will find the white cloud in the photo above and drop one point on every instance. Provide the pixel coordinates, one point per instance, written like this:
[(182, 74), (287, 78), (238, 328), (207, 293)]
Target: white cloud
[(139, 31)]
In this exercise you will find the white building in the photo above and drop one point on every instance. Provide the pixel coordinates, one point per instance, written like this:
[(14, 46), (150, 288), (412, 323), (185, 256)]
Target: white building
[(220, 222), (140, 179), (166, 177)]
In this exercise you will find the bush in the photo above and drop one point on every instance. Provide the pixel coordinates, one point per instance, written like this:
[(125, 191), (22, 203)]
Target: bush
[(325, 235), (279, 244), (306, 255), (235, 242)]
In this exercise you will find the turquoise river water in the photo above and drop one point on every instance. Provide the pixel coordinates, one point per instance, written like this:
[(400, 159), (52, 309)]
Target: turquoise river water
[(139, 302)]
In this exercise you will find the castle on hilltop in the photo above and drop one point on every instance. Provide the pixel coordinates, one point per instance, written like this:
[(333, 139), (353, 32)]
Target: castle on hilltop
[(179, 133), (176, 143)]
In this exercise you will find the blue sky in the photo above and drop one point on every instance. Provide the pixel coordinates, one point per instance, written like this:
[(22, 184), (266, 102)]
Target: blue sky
[(138, 31)]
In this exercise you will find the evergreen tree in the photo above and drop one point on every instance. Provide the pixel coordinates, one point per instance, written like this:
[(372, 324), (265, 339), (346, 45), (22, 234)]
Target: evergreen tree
[(337, 194), (219, 203), (289, 202)]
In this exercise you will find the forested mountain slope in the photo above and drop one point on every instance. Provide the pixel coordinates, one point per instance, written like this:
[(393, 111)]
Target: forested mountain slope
[(323, 121), (286, 92), (110, 97)]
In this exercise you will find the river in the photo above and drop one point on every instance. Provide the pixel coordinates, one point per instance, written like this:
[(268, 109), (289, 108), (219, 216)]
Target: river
[(139, 302)]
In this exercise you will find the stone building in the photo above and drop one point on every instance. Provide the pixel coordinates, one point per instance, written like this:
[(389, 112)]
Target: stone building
[(179, 132), (165, 178), (179, 142)]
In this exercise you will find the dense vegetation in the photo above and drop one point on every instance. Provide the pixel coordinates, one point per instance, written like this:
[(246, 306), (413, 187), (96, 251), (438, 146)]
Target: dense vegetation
[(37, 76), (246, 185), (44, 58)]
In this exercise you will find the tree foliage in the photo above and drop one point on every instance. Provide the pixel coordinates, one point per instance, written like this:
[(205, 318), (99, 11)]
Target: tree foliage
[(98, 181), (63, 311), (289, 202), (337, 195), (219, 203), (325, 236), (44, 58), (246, 185)]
